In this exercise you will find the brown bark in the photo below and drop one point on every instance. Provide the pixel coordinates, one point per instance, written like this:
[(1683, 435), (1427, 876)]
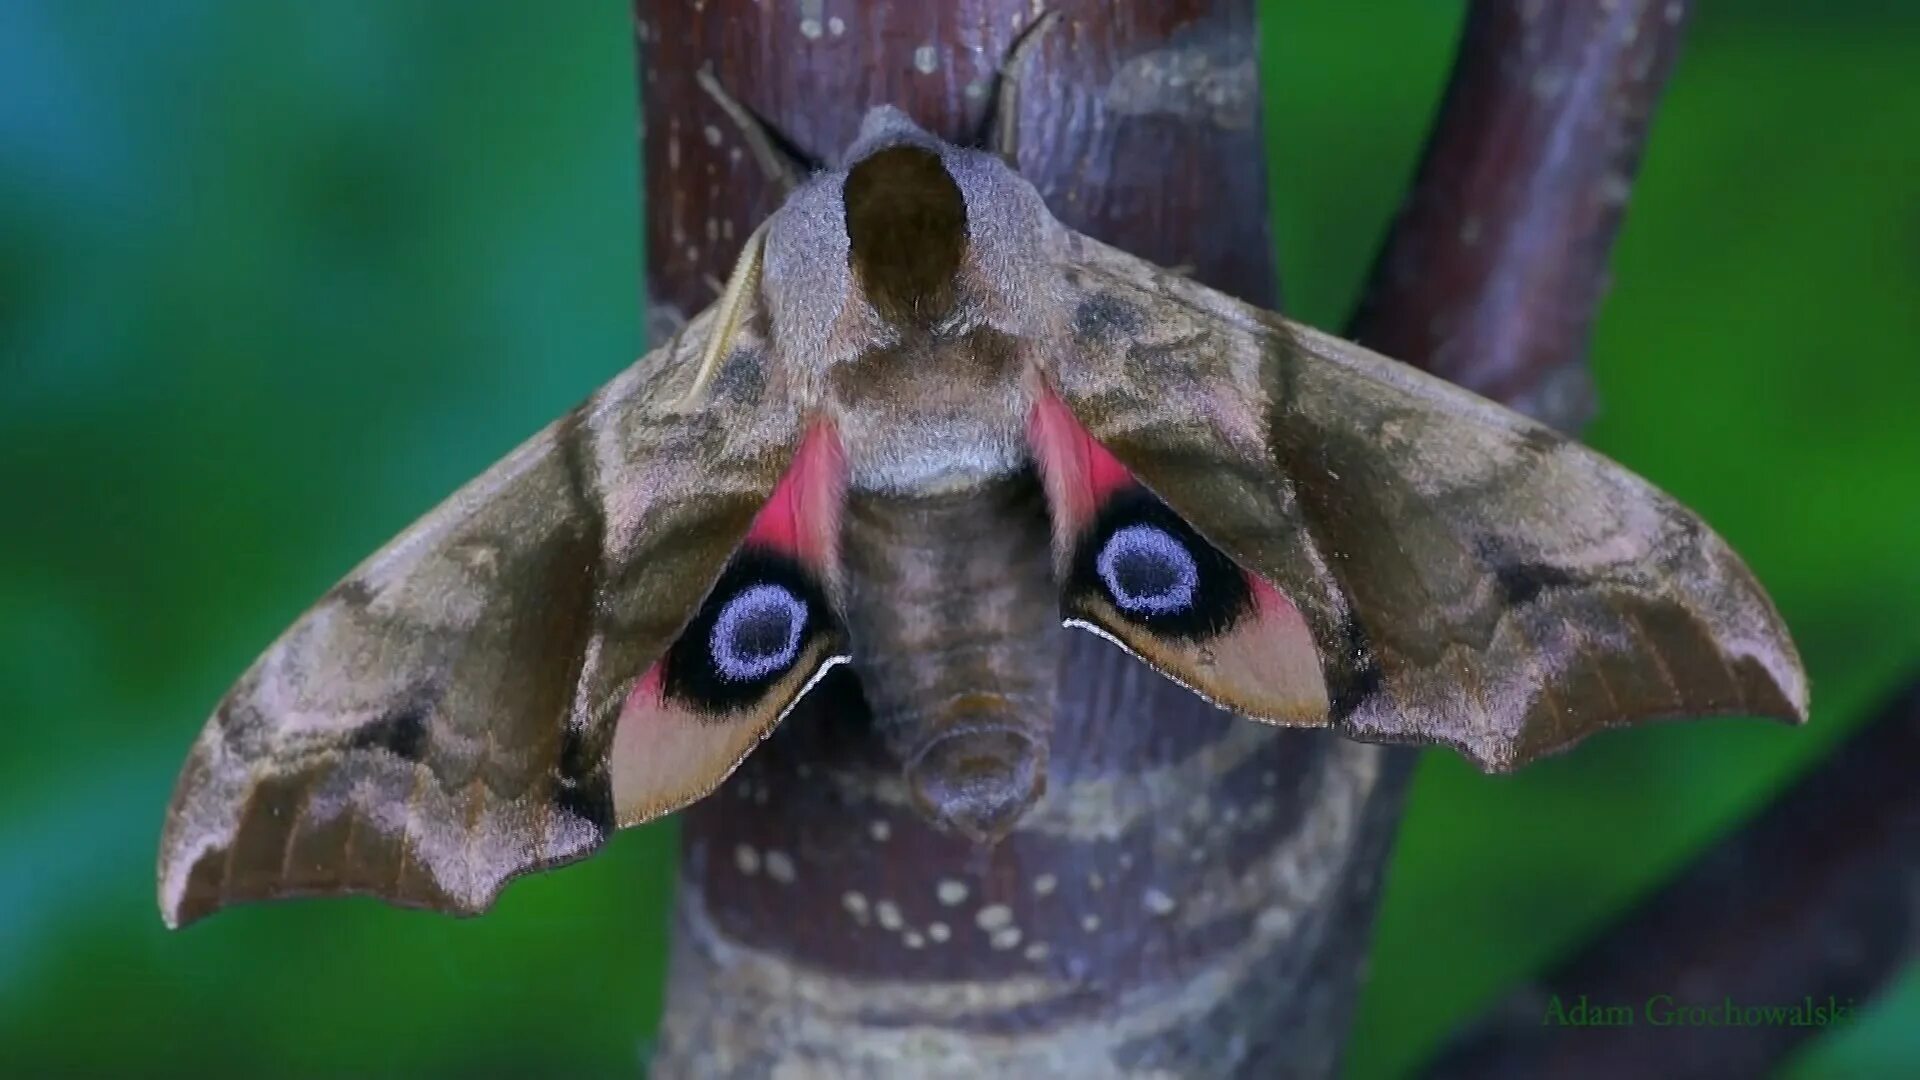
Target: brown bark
[(1498, 261), (1194, 893), (1142, 119), (1816, 901)]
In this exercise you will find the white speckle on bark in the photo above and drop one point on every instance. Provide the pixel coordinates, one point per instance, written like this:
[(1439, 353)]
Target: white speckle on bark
[(836, 26), (994, 917), (926, 60), (913, 940), (888, 914), (713, 135), (1157, 902), (1089, 922), (879, 830), (951, 893), (780, 867), (1037, 951), (1004, 938), (938, 932), (747, 859), (856, 906), (1045, 884)]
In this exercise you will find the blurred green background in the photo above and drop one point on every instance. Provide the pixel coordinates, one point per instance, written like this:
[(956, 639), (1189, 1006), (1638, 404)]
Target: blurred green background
[(274, 278)]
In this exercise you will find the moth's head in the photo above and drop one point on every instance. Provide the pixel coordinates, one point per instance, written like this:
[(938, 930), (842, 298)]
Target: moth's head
[(911, 235)]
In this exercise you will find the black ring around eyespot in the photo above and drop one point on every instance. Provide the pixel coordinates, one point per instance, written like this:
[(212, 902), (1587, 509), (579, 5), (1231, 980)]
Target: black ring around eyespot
[(769, 608), (1156, 571)]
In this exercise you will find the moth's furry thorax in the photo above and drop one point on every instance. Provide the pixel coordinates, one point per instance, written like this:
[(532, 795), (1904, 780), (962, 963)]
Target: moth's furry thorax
[(909, 289)]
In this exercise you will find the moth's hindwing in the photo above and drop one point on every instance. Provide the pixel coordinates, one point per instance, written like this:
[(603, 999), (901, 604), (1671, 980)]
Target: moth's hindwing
[(768, 630), (1136, 573), (1467, 577)]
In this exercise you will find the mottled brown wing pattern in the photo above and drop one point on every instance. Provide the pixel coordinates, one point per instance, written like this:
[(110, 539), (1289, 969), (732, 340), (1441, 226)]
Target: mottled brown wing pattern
[(440, 721), (1471, 578)]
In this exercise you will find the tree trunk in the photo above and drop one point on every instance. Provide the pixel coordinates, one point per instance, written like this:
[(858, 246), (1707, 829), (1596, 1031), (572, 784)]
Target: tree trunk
[(1194, 893)]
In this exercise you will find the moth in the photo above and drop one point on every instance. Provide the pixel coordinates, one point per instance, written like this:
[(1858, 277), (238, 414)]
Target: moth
[(925, 426)]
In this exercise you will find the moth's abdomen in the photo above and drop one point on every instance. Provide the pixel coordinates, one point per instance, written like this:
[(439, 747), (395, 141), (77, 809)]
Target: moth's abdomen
[(956, 638)]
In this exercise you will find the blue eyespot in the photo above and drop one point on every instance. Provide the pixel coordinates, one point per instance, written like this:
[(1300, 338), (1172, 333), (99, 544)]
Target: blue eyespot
[(1147, 571), (757, 633)]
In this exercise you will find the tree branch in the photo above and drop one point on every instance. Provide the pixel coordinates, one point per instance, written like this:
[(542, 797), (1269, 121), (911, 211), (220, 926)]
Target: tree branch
[(1498, 261), (1815, 901)]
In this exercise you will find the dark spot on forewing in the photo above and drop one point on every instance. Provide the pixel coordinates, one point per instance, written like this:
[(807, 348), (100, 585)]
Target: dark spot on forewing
[(1521, 582), (1520, 579), (742, 378), (1541, 439), (1355, 675), (352, 593), (402, 732), (589, 798), (1105, 317)]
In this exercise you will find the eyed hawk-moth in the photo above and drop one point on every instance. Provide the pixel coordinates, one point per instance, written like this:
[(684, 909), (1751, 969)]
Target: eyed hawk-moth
[(599, 628)]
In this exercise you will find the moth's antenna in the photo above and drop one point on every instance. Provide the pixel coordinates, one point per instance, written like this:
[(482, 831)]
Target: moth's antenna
[(779, 165), (777, 162), (727, 311), (1006, 115)]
